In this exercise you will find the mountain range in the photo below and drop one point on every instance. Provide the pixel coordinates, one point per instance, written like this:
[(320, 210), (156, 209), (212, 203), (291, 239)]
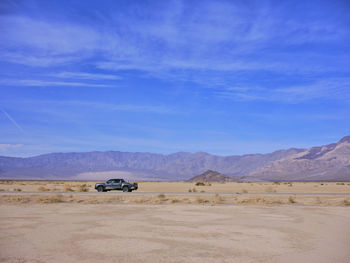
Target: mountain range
[(328, 162)]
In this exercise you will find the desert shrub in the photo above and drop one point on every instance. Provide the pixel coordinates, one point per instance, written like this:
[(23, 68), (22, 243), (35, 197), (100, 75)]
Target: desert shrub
[(202, 191), (190, 190), (270, 190), (68, 188), (83, 188), (277, 183), (290, 184), (161, 196), (245, 191), (200, 184), (291, 200), (50, 199), (194, 190), (43, 189), (346, 202), (218, 199), (340, 184), (17, 190), (199, 200), (174, 201), (1, 190)]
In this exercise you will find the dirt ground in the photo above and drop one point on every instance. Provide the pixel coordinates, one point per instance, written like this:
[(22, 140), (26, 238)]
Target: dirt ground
[(60, 221), (230, 187), (173, 233)]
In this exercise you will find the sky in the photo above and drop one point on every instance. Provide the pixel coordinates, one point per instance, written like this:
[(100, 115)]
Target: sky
[(223, 77)]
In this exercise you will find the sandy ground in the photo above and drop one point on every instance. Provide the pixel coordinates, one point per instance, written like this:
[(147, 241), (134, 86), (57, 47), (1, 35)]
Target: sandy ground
[(60, 221), (71, 232), (231, 187)]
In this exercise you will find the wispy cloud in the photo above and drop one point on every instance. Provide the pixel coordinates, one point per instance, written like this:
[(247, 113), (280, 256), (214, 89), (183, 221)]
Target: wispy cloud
[(337, 89), (222, 36), (4, 147), (44, 83), (12, 120), (85, 75)]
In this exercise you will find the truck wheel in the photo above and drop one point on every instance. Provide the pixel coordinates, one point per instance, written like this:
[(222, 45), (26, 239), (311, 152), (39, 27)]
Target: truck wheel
[(100, 188), (125, 189)]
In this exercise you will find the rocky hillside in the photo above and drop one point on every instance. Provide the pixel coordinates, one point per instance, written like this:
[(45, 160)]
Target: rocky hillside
[(211, 176), (328, 162), (139, 166)]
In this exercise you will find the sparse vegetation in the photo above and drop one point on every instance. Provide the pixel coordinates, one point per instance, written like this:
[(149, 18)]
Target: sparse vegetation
[(346, 202), (203, 184), (218, 199), (340, 184), (245, 191), (291, 200), (17, 190), (43, 189), (68, 188), (270, 190), (50, 199), (161, 197), (83, 188)]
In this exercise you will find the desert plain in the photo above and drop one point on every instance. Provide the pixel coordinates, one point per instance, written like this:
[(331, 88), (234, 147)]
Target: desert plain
[(69, 221)]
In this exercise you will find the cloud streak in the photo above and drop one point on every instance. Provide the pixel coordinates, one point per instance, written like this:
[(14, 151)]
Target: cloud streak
[(12, 121), (44, 83)]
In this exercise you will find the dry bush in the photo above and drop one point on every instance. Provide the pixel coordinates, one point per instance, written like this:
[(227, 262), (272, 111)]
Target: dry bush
[(43, 189), (217, 199), (18, 199), (199, 200), (161, 196), (291, 200), (277, 183), (346, 202), (194, 190), (270, 190), (318, 200), (83, 188), (174, 201), (340, 184), (202, 191), (190, 190), (200, 184), (245, 191), (68, 188), (186, 201), (17, 190), (50, 199)]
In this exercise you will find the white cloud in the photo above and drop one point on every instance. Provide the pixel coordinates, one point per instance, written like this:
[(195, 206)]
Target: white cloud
[(44, 83), (85, 75), (4, 147)]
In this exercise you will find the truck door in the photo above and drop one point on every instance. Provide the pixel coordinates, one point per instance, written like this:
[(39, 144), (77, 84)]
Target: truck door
[(117, 184)]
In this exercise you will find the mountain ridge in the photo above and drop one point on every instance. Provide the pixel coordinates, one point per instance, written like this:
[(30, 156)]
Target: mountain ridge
[(327, 162)]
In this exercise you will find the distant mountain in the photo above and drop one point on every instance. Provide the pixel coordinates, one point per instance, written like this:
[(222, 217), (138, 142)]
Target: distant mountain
[(328, 162), (137, 166), (211, 176)]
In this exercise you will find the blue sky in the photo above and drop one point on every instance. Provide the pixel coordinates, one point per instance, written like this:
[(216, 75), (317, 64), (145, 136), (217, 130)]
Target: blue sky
[(224, 77)]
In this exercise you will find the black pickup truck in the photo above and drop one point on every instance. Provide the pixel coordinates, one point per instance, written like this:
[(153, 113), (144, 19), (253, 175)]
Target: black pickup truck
[(116, 184)]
